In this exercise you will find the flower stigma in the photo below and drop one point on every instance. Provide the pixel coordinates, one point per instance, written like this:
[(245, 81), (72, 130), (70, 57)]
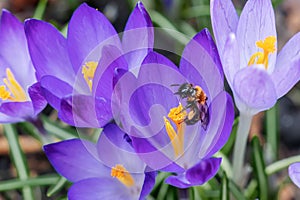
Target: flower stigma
[(14, 91), (122, 175), (268, 46), (177, 115), (88, 71)]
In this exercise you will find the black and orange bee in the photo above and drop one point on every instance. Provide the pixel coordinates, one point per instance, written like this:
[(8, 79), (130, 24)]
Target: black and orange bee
[(195, 103)]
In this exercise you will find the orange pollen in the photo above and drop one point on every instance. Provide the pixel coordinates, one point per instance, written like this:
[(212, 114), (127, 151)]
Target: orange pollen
[(122, 175), (268, 46), (14, 91)]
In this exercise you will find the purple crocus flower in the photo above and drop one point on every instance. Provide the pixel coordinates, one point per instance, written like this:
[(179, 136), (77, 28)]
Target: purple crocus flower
[(75, 73), (166, 132), (19, 93), (294, 173), (248, 51), (109, 169)]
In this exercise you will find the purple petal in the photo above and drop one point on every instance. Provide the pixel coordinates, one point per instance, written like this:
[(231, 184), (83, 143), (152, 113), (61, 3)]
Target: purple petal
[(256, 22), (231, 64), (199, 67), (8, 119), (224, 129), (111, 60), (38, 100), (203, 171), (287, 70), (99, 189), (138, 36), (205, 40), (76, 159), (84, 111), (88, 28), (23, 110), (197, 175), (48, 50), (254, 87), (148, 184), (54, 90), (113, 149), (294, 173), (224, 21), (178, 181), (13, 45)]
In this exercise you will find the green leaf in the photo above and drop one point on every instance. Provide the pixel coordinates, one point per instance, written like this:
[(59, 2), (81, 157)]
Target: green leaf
[(281, 164), (259, 169), (60, 132), (236, 191), (40, 9), (229, 144), (14, 184), (225, 189), (272, 133), (18, 158), (197, 11), (57, 186)]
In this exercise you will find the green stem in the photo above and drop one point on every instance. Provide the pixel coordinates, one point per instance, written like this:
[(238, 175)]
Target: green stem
[(272, 134), (240, 146), (40, 10), (281, 164), (17, 183), (18, 158)]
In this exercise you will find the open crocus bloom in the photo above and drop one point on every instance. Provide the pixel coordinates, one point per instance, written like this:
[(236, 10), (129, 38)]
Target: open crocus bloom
[(294, 173), (109, 169), (19, 93), (76, 73), (248, 51), (166, 133)]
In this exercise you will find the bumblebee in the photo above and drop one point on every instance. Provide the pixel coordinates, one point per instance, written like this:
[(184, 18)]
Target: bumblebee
[(195, 103)]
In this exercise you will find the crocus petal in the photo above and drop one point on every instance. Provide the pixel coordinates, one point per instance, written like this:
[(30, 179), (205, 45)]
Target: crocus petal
[(231, 64), (113, 149), (148, 184), (138, 29), (256, 22), (25, 109), (294, 173), (224, 21), (54, 90), (99, 189), (221, 114), (224, 130), (150, 155), (287, 71), (206, 41), (199, 67), (13, 45), (38, 100), (82, 111), (48, 50), (88, 28), (179, 181), (9, 119), (203, 171), (254, 87), (111, 59), (75, 159)]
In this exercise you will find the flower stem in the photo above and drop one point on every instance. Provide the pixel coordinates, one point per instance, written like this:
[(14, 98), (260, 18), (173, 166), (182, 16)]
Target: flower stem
[(240, 146)]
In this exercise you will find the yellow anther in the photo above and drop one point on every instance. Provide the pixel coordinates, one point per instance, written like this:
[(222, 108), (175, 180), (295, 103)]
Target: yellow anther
[(122, 175), (268, 46), (177, 115), (15, 92), (88, 71)]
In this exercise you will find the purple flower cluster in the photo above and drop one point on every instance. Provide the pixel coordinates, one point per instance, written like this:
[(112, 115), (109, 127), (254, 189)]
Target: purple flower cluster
[(155, 116)]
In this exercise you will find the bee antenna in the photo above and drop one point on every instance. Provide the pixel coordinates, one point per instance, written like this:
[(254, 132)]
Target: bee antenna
[(175, 85)]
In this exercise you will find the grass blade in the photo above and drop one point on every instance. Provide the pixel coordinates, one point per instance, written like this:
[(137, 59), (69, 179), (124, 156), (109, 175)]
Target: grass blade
[(18, 159)]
